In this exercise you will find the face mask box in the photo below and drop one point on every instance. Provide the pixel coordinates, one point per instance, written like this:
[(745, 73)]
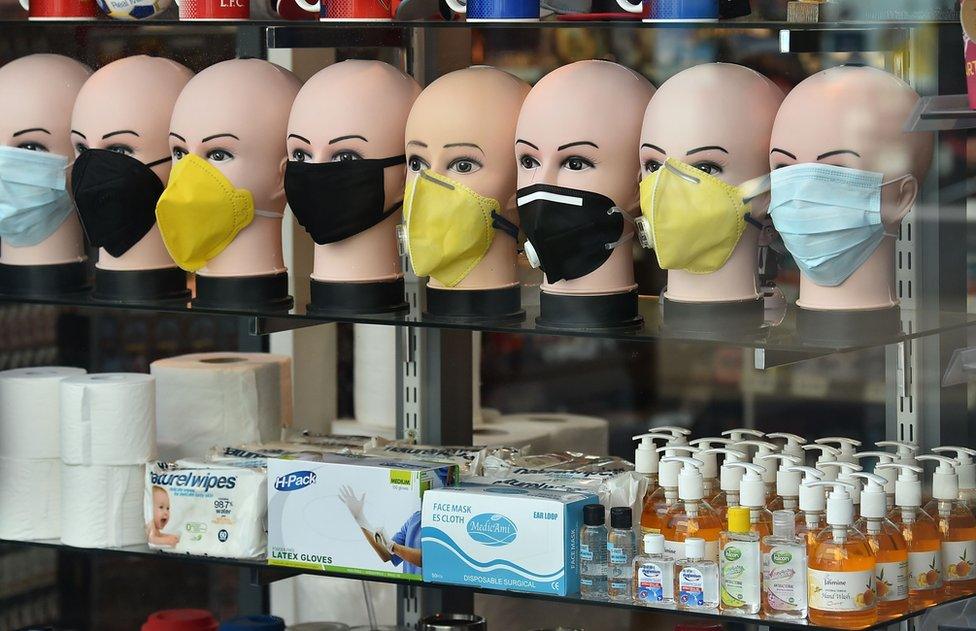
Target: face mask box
[(504, 538), (351, 513), (207, 508)]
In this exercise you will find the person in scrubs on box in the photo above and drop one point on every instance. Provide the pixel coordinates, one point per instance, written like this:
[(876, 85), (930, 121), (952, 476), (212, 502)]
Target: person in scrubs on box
[(402, 549)]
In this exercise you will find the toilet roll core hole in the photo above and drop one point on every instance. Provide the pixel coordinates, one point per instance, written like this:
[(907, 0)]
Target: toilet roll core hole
[(222, 360), (33, 373), (487, 431), (105, 377), (547, 419)]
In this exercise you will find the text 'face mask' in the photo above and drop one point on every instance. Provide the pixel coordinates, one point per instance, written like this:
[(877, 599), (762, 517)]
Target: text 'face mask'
[(116, 197), (570, 232), (448, 227), (829, 218), (34, 200)]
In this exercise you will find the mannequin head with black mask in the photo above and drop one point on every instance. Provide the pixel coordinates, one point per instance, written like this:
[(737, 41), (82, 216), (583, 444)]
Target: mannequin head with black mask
[(35, 115), (346, 169), (120, 133), (680, 125)]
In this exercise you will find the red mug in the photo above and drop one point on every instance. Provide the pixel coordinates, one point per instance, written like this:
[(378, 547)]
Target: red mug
[(356, 10), (60, 9), (297, 10), (212, 10)]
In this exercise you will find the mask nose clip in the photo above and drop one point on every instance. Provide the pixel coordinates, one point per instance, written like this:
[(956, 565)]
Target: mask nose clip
[(402, 239), (644, 234)]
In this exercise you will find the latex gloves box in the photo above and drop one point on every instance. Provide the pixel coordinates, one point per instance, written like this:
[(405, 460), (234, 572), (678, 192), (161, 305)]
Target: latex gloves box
[(207, 508), (505, 538), (351, 513)]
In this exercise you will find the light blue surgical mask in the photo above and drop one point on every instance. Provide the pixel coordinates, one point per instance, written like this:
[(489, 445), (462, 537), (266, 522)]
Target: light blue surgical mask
[(829, 218), (34, 199)]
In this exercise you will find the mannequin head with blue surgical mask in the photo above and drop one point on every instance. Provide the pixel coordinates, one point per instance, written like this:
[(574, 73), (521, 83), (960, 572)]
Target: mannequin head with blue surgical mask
[(38, 225), (844, 176)]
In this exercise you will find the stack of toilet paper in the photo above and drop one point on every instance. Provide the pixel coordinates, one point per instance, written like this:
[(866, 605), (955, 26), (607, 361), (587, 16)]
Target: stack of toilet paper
[(108, 434), (546, 432), (30, 452), (210, 400)]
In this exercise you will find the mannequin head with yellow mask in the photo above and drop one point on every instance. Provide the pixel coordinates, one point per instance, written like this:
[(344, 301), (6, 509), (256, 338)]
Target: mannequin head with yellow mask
[(692, 163), (578, 190), (220, 215), (42, 247), (460, 222)]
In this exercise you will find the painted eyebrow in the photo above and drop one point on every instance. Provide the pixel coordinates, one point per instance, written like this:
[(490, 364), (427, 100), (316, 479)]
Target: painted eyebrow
[(464, 144), (838, 152), (708, 148), (784, 152), (654, 147), (418, 143), (577, 143), (302, 138), (526, 142), (73, 131), (224, 135), (121, 131), (175, 135), (27, 131), (350, 136)]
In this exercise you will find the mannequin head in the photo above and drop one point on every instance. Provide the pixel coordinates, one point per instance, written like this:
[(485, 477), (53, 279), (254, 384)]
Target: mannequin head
[(356, 108), (578, 129), (36, 114), (234, 114), (462, 126), (680, 123), (126, 107), (853, 116)]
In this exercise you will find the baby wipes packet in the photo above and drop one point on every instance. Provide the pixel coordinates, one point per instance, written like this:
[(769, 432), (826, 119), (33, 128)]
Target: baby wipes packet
[(207, 508)]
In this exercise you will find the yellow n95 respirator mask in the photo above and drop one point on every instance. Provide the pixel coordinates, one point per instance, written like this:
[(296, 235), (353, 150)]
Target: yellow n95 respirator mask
[(691, 219), (201, 212), (448, 227)]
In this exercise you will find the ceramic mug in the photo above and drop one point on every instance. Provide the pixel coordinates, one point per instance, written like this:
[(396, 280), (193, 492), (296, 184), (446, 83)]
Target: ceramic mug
[(213, 10), (356, 11), (665, 10), (500, 10), (60, 9), (297, 10)]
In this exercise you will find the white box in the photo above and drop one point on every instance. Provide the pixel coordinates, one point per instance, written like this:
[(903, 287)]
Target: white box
[(504, 538), (350, 513)]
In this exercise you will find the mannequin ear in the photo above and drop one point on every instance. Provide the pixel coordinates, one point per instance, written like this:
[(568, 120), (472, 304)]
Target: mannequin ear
[(904, 199), (280, 186)]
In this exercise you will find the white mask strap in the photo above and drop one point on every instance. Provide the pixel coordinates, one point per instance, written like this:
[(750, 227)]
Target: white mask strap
[(626, 237), (268, 214)]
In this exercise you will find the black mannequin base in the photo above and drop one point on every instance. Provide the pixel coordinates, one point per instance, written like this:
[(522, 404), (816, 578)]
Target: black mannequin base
[(39, 281), (608, 311), (244, 292), (354, 298), (153, 285), (847, 328), (717, 319), (474, 304)]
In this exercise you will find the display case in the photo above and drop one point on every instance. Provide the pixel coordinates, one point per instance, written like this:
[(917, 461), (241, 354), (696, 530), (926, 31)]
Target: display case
[(816, 373)]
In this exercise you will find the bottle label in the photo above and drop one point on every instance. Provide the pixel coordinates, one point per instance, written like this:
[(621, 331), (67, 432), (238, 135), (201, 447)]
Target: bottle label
[(586, 582), (654, 583), (891, 580), (739, 572), (677, 549), (691, 588), (618, 555), (924, 570), (958, 560), (841, 591), (784, 578), (585, 553)]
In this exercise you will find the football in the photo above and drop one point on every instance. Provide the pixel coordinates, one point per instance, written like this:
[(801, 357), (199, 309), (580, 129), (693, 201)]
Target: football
[(133, 9)]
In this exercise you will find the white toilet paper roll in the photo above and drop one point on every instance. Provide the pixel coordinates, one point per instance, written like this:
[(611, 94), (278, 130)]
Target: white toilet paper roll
[(30, 412), (528, 437), (30, 499), (374, 374), (351, 427), (567, 432), (108, 419), (208, 400), (101, 506)]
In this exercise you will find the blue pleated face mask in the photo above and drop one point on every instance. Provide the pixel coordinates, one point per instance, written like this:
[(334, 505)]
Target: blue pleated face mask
[(34, 199), (829, 218)]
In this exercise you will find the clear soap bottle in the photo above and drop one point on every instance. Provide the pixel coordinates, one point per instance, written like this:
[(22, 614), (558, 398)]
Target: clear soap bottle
[(784, 570), (621, 550), (654, 573), (695, 578), (739, 565), (593, 552)]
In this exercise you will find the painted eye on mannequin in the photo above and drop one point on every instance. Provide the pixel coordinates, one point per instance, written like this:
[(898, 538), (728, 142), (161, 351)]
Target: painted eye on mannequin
[(123, 149), (32, 146), (219, 155), (81, 148), (464, 166), (178, 153), (709, 167), (417, 164), (528, 163), (346, 156), (651, 166), (300, 156), (576, 163)]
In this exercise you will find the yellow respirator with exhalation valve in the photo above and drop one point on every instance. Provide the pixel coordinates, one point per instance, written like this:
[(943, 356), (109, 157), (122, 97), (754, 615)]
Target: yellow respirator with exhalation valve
[(691, 219), (201, 212), (448, 227)]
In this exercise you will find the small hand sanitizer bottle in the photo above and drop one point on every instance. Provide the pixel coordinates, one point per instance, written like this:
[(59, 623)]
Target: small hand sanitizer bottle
[(784, 570), (654, 573), (621, 550), (739, 564), (593, 552), (696, 579)]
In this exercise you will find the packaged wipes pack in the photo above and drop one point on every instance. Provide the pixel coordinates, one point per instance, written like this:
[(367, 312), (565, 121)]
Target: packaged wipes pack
[(207, 508)]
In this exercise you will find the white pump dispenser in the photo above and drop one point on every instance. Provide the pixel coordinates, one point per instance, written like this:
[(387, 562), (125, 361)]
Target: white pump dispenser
[(908, 487), (890, 475), (874, 503), (679, 435), (728, 481), (763, 449), (710, 466), (945, 482), (846, 446), (787, 482), (845, 470), (905, 451), (645, 455), (690, 485), (827, 454), (840, 506), (966, 470), (741, 434), (752, 494), (793, 445), (813, 503)]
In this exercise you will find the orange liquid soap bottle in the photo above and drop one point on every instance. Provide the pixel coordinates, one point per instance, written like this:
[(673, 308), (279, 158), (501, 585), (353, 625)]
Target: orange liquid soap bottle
[(966, 470), (728, 495), (957, 526), (890, 475), (813, 502), (657, 504), (752, 495), (844, 471), (710, 467), (890, 548), (691, 516), (646, 464)]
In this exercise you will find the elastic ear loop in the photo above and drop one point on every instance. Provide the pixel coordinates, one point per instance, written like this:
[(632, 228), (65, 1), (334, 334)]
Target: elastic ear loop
[(625, 238)]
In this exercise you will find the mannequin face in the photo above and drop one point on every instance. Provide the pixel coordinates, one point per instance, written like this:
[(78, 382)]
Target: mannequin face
[(234, 114), (126, 107), (578, 128), (463, 126), (354, 110)]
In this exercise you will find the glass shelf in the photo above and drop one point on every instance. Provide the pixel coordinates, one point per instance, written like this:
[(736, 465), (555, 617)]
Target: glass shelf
[(261, 573)]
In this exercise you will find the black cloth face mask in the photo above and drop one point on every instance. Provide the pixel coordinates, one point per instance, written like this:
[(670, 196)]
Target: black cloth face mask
[(116, 198), (571, 232), (336, 200)]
